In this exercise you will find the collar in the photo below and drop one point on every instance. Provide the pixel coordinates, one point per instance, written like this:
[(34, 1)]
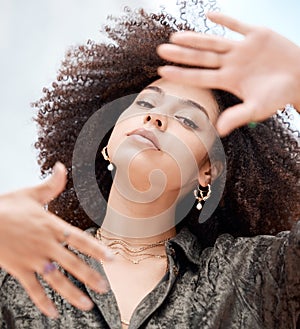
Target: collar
[(188, 243)]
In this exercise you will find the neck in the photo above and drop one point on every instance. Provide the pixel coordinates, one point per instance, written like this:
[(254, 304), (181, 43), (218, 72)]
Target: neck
[(138, 222), (139, 241)]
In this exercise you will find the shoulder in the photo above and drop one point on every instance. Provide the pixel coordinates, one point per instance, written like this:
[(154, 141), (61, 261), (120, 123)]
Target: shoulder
[(258, 254), (228, 245), (270, 255)]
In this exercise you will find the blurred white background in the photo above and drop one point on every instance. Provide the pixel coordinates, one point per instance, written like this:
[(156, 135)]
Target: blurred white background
[(34, 35)]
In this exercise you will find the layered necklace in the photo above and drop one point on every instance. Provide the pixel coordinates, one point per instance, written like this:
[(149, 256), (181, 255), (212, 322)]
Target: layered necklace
[(128, 251)]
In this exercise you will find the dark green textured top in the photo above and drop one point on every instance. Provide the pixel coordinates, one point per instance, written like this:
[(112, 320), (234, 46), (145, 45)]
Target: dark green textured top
[(247, 283)]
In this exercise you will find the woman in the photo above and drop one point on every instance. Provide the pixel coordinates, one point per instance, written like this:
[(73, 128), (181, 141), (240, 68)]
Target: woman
[(173, 278)]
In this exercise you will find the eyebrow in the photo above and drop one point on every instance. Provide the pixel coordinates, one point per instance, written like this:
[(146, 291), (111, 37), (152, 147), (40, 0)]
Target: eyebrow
[(187, 102)]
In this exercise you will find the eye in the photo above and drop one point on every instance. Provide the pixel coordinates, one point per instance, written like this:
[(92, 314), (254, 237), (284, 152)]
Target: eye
[(187, 122), (145, 104)]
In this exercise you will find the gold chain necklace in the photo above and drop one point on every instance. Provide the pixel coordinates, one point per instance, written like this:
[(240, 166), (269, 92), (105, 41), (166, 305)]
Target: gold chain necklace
[(129, 249), (141, 257), (126, 245), (129, 253)]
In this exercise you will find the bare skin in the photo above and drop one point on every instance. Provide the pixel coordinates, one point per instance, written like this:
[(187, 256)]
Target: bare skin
[(256, 69)]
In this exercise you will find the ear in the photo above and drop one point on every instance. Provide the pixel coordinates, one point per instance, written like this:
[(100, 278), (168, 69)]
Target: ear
[(208, 173)]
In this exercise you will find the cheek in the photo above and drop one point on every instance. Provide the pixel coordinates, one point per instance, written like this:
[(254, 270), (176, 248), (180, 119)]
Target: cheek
[(199, 151), (201, 143), (193, 153), (119, 134)]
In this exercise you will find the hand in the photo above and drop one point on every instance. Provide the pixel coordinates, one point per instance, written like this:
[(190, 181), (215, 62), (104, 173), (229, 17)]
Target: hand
[(31, 238), (263, 69)]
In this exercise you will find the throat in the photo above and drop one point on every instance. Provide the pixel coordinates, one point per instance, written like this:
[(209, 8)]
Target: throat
[(138, 220), (139, 204)]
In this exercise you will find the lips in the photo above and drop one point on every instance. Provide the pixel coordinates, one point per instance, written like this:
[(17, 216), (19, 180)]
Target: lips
[(147, 134)]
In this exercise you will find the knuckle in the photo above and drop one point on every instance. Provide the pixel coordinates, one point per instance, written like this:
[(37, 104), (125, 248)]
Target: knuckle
[(73, 295), (186, 55), (214, 43), (263, 33), (75, 262), (203, 57), (35, 291), (93, 276), (198, 78), (194, 57), (85, 271), (40, 298), (56, 280), (76, 240), (217, 60), (93, 250)]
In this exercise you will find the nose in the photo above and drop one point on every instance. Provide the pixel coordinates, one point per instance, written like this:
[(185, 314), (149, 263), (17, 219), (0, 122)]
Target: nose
[(158, 120)]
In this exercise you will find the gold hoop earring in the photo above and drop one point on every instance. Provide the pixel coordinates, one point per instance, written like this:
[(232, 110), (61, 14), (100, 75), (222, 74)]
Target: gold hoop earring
[(106, 157), (201, 195)]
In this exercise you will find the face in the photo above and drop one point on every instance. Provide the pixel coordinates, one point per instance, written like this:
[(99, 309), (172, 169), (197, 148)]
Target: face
[(160, 142)]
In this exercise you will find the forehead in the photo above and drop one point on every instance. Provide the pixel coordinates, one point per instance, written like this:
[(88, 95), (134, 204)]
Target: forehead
[(204, 97)]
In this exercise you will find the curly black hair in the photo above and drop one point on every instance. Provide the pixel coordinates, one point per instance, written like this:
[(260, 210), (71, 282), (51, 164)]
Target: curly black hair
[(262, 187)]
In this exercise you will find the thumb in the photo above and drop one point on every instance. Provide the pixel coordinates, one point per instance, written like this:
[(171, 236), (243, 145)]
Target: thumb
[(52, 187), (234, 117)]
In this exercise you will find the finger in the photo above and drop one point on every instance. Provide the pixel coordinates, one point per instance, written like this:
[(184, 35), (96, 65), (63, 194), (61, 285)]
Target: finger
[(37, 294), (234, 117), (232, 23), (66, 289), (195, 77), (74, 265), (189, 56), (201, 41), (52, 187), (80, 240)]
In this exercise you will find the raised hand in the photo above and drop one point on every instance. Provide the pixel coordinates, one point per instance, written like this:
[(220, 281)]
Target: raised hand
[(263, 69), (33, 240)]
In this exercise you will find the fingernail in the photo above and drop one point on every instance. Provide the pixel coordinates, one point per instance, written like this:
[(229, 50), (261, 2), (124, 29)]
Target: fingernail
[(56, 166), (52, 312), (160, 70), (86, 302), (165, 69), (103, 286), (163, 46)]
